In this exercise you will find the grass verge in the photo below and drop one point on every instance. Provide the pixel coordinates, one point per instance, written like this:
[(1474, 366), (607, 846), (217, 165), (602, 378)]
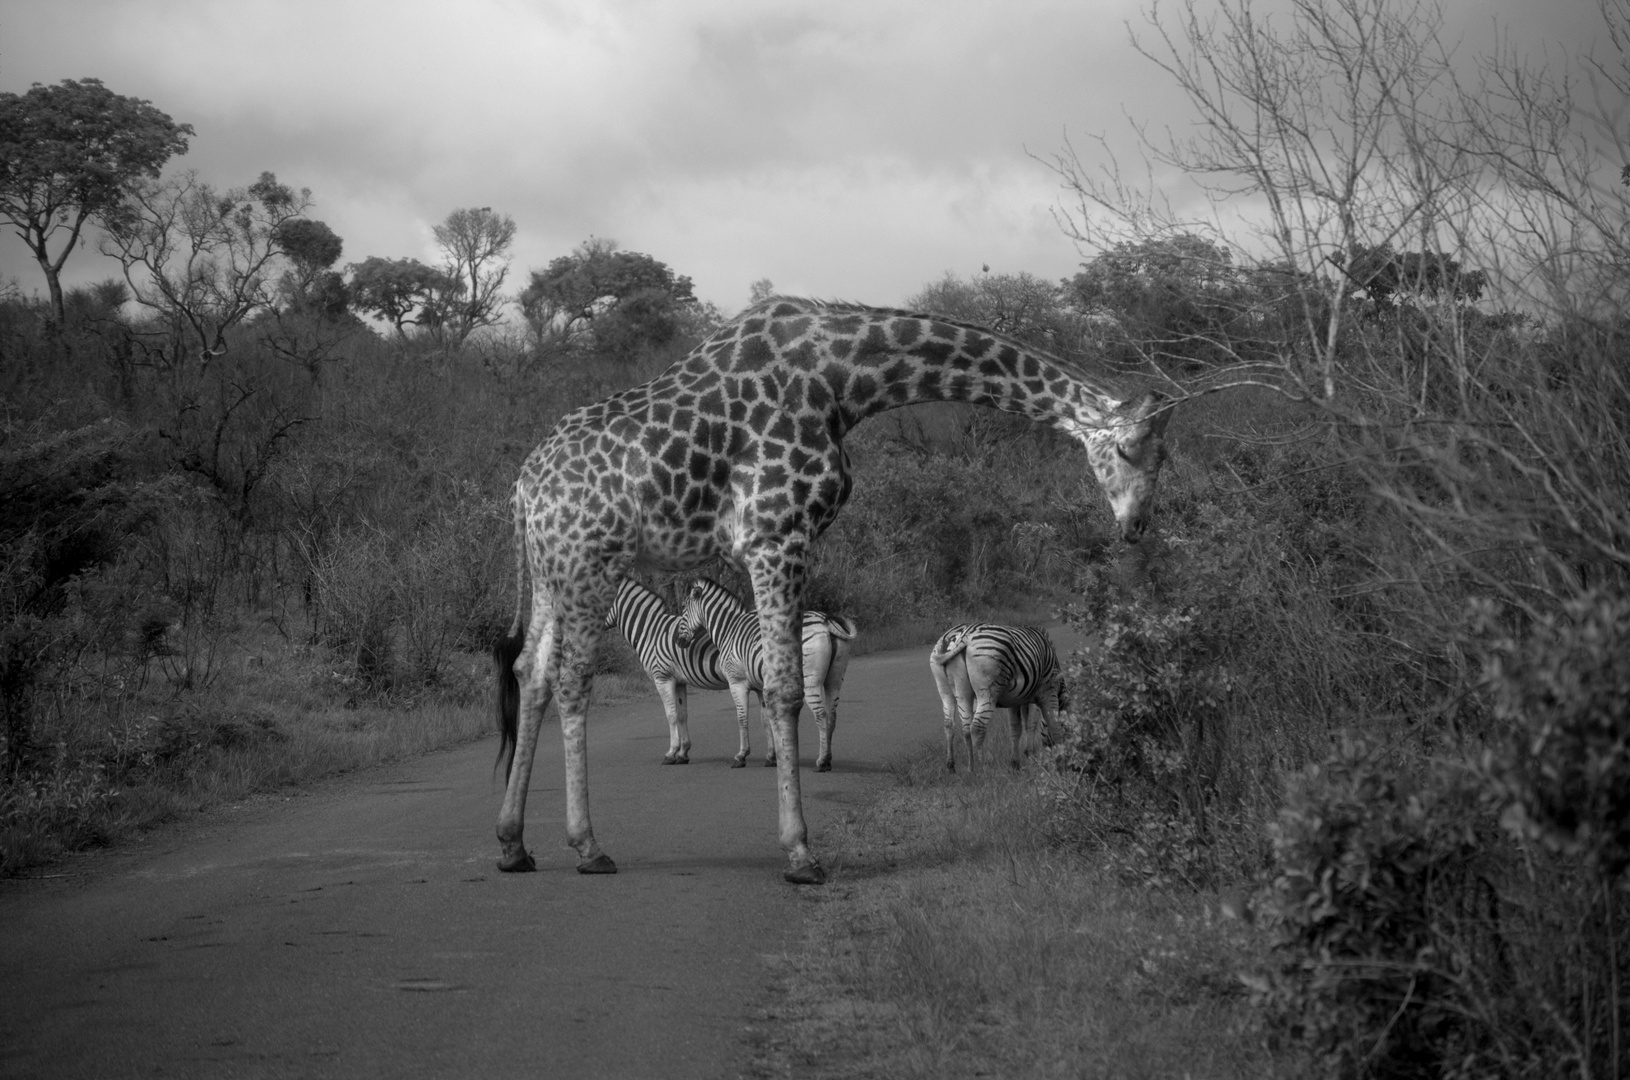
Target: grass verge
[(954, 941)]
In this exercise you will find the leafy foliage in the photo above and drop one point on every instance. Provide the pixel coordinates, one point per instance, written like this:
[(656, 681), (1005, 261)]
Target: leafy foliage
[(611, 304), (202, 260), (1564, 694), (404, 292), (1375, 867), (73, 152)]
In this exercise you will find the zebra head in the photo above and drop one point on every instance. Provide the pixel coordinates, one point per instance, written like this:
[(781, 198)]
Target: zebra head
[(692, 622)]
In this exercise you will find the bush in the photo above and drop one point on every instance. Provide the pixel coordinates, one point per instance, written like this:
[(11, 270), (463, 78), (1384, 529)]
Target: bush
[(1380, 871)]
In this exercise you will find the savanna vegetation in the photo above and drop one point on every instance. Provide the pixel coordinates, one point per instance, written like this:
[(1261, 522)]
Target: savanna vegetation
[(1345, 785)]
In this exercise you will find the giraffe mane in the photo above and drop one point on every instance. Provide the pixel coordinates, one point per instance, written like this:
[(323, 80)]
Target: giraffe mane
[(1109, 387)]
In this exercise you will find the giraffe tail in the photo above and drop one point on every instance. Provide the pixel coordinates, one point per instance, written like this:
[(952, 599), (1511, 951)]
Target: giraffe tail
[(508, 648), (504, 653)]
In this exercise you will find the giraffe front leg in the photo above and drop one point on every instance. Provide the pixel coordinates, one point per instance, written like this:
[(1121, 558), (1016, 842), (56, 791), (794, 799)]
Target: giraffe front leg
[(778, 579)]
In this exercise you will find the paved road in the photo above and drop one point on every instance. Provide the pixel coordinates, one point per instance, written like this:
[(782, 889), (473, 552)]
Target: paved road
[(362, 929)]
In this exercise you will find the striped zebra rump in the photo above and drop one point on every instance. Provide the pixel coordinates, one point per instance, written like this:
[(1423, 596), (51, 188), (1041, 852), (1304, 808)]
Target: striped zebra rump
[(979, 667)]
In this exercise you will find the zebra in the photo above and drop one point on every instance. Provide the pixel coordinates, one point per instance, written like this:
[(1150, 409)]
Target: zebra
[(712, 608), (645, 622), (979, 667)]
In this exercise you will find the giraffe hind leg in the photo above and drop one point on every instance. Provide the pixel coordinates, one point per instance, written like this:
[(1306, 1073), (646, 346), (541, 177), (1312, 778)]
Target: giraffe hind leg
[(526, 680)]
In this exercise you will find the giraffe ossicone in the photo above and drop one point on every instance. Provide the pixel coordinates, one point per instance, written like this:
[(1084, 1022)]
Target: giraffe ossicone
[(737, 450)]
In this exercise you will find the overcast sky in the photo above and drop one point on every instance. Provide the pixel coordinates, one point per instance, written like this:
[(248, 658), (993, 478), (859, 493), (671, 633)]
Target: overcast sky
[(848, 149)]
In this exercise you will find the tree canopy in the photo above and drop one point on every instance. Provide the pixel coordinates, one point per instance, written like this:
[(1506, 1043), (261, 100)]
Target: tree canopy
[(310, 286), (475, 247), (203, 259), (73, 152), (404, 292), (613, 303)]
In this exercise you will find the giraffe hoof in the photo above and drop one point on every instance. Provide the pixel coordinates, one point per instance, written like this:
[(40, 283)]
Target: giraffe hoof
[(600, 864), (809, 874), (824, 765), (669, 759), (682, 759), (769, 762), (738, 763), (517, 862)]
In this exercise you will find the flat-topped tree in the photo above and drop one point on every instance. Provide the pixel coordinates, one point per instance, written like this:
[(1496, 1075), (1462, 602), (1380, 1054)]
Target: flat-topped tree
[(71, 153), (737, 451)]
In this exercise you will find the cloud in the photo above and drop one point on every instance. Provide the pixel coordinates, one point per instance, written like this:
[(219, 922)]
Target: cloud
[(851, 147)]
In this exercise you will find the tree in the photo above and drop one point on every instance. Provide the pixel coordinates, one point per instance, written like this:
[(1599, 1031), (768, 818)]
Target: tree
[(760, 291), (203, 260), (71, 153), (475, 245), (612, 303), (1388, 277), (1021, 305), (404, 292), (1177, 297), (309, 286)]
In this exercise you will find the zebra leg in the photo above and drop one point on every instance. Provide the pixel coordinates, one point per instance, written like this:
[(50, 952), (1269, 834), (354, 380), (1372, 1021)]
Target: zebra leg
[(1017, 718), (582, 625), (536, 670), (681, 700), (944, 683), (778, 587), (983, 706), (673, 705), (833, 687), (818, 654), (738, 694)]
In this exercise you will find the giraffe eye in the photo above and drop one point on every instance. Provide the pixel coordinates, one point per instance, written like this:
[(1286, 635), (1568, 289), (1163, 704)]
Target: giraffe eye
[(1123, 455)]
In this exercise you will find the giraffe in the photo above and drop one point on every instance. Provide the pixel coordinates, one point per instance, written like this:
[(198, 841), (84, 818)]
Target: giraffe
[(737, 450)]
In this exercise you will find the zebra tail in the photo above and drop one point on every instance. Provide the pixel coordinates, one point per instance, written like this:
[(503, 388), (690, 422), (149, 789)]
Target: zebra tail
[(951, 652), (842, 626)]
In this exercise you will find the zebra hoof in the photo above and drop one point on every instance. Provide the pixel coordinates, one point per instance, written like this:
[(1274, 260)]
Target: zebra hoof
[(769, 762), (600, 864), (824, 765), (811, 874), (517, 861)]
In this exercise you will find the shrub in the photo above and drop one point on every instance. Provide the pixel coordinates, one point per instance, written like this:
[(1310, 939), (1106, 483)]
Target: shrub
[(1564, 694), (1380, 874)]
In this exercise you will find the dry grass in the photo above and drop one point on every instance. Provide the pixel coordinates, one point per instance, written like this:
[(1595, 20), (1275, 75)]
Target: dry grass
[(952, 942)]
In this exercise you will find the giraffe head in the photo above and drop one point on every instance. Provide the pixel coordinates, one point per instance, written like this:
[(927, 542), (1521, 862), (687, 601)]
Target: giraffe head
[(1126, 455)]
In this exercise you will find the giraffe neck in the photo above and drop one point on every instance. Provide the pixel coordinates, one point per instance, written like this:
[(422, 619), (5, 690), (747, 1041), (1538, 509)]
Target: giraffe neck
[(874, 360)]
